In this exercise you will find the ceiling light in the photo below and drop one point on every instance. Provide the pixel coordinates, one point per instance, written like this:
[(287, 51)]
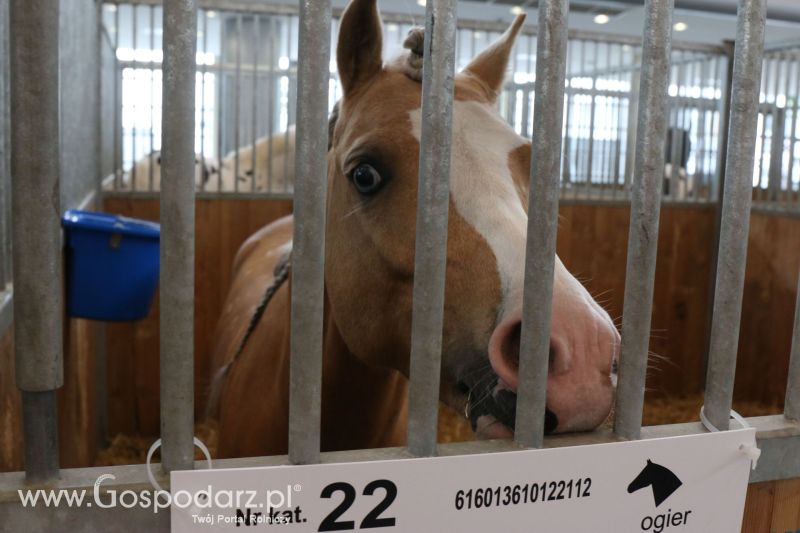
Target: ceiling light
[(211, 14), (421, 2), (602, 18), (517, 10), (680, 26)]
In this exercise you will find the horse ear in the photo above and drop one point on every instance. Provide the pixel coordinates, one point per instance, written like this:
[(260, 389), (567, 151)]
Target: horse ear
[(359, 53), (489, 66)]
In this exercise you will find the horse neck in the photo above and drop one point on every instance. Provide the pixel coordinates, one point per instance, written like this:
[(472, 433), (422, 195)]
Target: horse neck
[(363, 406)]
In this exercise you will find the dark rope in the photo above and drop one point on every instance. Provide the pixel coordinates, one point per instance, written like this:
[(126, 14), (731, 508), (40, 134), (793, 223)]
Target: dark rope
[(281, 274)]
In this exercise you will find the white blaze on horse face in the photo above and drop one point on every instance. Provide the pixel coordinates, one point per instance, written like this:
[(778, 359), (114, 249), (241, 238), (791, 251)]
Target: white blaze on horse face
[(483, 190)]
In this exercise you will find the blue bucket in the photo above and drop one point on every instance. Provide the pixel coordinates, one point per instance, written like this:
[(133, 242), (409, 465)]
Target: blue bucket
[(112, 265)]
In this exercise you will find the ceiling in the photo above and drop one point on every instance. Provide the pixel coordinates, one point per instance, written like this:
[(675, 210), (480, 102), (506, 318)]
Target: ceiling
[(707, 21)]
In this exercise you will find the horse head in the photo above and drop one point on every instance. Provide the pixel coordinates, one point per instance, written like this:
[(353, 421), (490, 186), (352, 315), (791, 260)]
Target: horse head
[(373, 166)]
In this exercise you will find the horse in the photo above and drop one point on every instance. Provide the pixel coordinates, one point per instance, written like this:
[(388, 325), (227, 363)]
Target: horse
[(274, 163), (373, 164)]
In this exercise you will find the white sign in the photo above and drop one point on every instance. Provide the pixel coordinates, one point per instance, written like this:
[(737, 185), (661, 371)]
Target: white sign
[(695, 483)]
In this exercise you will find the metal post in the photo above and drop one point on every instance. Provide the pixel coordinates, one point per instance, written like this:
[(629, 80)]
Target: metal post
[(5, 177), (438, 74), (648, 174), (308, 253), (540, 250), (177, 235), (36, 228), (792, 405), (736, 201)]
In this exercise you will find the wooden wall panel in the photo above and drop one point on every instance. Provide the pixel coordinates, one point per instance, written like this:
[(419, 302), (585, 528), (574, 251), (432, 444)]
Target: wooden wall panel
[(593, 242), (11, 456), (773, 263), (133, 350), (76, 401), (772, 507)]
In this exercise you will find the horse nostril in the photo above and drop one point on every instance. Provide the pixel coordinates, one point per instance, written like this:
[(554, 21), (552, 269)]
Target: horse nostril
[(550, 421)]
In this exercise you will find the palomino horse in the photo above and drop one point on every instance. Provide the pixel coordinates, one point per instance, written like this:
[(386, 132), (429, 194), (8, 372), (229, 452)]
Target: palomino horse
[(274, 164), (369, 272)]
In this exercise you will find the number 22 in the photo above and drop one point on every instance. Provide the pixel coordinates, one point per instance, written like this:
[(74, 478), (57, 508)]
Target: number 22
[(372, 520)]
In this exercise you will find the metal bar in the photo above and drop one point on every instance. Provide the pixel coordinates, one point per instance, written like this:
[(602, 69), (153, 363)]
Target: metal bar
[(736, 201), (272, 54), (134, 117), (150, 165), (203, 70), (177, 235), (5, 177), (308, 250), (117, 106), (36, 210), (220, 87), (645, 209), (237, 101), (765, 84), (40, 434), (289, 42), (540, 249), (795, 111), (254, 100), (792, 404), (778, 438), (438, 73)]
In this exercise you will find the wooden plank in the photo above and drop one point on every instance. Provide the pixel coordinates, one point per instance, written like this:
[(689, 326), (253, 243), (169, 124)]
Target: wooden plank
[(11, 457), (77, 419), (786, 508), (758, 508)]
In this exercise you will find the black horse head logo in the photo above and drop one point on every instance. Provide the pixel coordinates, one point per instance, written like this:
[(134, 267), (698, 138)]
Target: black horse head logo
[(662, 479)]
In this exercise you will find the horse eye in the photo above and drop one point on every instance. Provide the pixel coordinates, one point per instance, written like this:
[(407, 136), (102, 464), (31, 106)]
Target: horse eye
[(366, 179)]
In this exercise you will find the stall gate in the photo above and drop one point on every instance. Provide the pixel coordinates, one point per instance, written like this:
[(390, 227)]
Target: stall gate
[(37, 250)]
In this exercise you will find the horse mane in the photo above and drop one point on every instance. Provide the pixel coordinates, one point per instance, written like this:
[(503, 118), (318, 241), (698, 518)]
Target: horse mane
[(410, 61)]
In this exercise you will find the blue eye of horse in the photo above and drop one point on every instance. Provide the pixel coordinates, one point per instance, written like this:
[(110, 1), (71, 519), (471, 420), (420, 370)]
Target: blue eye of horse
[(366, 179)]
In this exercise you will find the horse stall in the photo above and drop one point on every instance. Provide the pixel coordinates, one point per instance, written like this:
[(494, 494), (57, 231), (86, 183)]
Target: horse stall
[(664, 176)]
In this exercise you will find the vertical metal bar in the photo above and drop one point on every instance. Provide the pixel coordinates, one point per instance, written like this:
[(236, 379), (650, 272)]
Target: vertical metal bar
[(792, 404), (220, 99), (540, 250), (288, 106), (5, 177), (795, 111), (117, 105), (308, 254), (633, 117), (135, 78), (438, 73), (592, 111), (254, 125), (150, 168), (177, 235), (787, 72), (645, 208), (237, 102), (569, 92), (271, 62), (737, 198), (36, 231), (766, 84), (203, 69)]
